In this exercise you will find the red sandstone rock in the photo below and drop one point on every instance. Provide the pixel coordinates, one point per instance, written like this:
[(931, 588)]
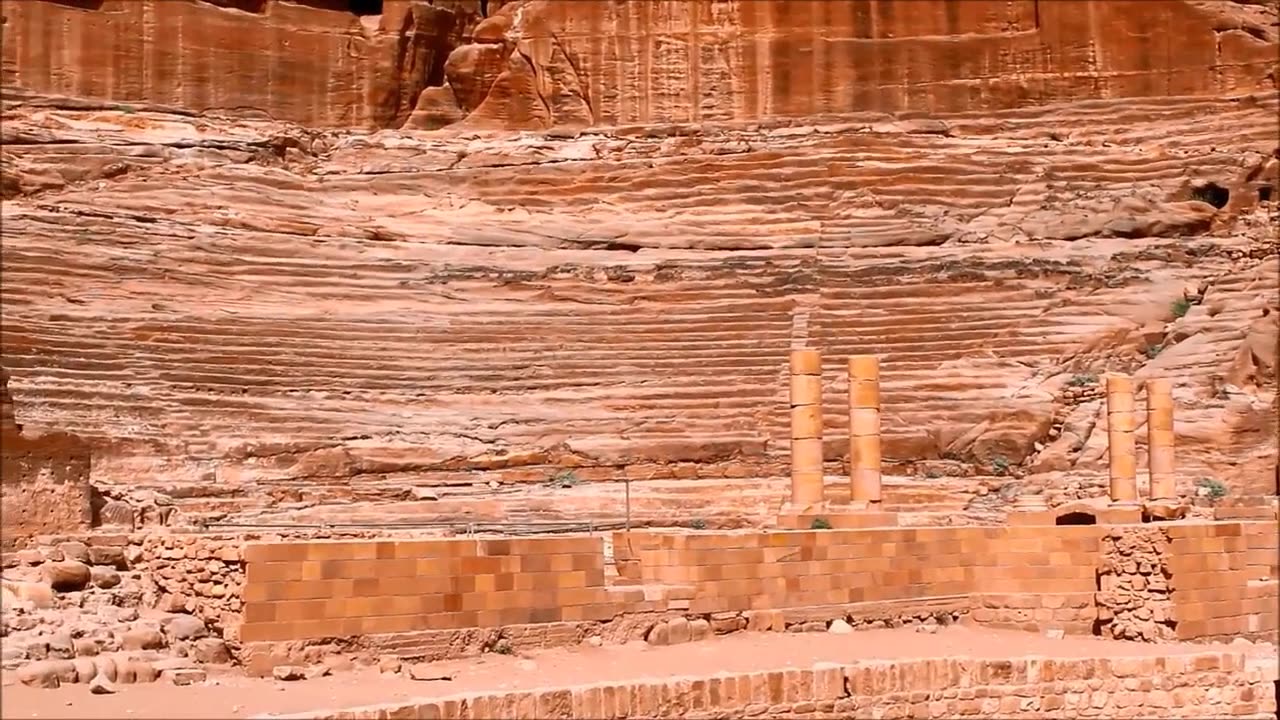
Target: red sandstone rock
[(67, 576)]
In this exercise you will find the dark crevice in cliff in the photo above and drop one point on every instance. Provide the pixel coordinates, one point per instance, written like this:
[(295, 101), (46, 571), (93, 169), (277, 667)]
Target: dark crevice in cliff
[(366, 7), (82, 4)]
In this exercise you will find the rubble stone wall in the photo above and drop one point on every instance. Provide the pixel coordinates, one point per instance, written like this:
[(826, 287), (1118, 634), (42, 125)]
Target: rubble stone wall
[(44, 480), (1210, 684)]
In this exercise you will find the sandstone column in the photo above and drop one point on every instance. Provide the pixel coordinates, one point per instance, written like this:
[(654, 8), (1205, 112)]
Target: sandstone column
[(1121, 448), (806, 428), (1160, 437), (864, 429)]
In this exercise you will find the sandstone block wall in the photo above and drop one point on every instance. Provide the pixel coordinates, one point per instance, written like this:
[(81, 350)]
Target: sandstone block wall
[(1140, 582), (1211, 684), (1213, 596), (345, 588), (569, 62)]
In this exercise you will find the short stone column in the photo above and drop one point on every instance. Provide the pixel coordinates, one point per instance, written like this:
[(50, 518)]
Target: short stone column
[(1160, 438), (864, 429), (806, 428), (1122, 450)]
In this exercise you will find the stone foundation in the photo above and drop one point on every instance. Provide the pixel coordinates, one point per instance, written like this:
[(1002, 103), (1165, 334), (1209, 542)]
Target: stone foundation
[(1212, 684)]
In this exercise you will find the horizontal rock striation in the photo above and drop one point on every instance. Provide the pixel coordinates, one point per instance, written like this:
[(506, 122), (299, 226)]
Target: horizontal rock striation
[(240, 310)]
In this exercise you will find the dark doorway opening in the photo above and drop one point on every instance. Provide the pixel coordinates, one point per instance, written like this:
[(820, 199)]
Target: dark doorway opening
[(366, 7), (1264, 194), (1212, 193), (1076, 518)]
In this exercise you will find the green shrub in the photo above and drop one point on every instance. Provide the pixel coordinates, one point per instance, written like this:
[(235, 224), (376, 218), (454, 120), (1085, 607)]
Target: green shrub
[(1180, 307), (820, 523), (1000, 465), (1213, 489), (1083, 380)]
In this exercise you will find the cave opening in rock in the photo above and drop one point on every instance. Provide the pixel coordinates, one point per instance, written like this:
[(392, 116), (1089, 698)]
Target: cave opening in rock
[(366, 7), (1212, 193), (1076, 518), (1264, 194)]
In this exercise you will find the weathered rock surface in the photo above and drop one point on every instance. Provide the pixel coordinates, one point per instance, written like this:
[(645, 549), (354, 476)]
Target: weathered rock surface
[(543, 63), (301, 316)]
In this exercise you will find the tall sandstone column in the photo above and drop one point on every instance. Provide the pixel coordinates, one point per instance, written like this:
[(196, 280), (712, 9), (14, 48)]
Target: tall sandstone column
[(1160, 437), (1122, 450), (806, 428), (864, 429)]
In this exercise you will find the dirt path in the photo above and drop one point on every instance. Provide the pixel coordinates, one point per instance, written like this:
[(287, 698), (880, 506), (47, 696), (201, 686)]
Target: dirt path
[(238, 696)]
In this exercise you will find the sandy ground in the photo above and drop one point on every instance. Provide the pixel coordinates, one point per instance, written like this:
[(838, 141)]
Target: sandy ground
[(233, 696)]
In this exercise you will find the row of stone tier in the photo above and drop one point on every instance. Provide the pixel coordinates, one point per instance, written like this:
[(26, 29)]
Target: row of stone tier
[(806, 430), (1121, 449)]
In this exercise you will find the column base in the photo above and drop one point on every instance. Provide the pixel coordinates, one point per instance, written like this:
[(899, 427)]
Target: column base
[(1120, 513), (1163, 510)]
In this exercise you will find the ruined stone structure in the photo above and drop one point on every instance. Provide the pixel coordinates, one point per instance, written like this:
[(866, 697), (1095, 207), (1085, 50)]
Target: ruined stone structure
[(404, 329)]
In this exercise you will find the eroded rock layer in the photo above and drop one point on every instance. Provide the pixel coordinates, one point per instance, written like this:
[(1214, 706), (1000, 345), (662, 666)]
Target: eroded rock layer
[(542, 63), (241, 311)]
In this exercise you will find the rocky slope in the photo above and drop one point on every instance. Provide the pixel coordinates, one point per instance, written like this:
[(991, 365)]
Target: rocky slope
[(244, 311)]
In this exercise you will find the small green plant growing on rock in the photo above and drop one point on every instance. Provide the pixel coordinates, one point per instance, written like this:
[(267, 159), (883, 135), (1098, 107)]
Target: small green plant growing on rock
[(1153, 350), (1212, 489), (820, 523), (1180, 307), (698, 524), (564, 479), (1000, 465), (1083, 380)]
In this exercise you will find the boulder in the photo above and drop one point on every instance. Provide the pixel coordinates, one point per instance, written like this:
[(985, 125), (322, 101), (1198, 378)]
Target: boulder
[(106, 666), (839, 627), (100, 685), (142, 638), (104, 577), (210, 651), (143, 671), (47, 673), (74, 550), (109, 555), (288, 673), (699, 629), (678, 631), (86, 669), (85, 647), (184, 676), (61, 646), (67, 576), (184, 627), (389, 664)]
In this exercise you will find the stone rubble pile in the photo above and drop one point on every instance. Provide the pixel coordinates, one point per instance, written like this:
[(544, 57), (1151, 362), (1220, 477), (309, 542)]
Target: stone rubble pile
[(1133, 598), (118, 609)]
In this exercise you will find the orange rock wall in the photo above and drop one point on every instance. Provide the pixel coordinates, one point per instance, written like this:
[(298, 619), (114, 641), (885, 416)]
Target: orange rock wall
[(1209, 684), (538, 63), (44, 480), (1025, 577)]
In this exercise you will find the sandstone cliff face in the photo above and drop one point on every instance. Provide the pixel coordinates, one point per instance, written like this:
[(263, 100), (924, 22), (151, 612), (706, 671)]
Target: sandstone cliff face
[(240, 309), (543, 63)]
